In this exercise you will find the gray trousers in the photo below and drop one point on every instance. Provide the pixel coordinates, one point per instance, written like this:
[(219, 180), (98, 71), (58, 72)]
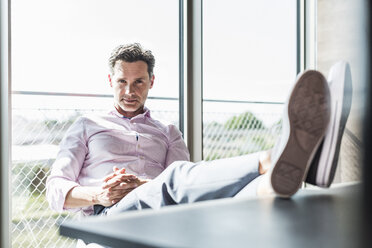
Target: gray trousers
[(186, 182)]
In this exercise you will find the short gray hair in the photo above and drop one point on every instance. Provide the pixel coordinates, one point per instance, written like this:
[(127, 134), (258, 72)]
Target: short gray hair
[(132, 53)]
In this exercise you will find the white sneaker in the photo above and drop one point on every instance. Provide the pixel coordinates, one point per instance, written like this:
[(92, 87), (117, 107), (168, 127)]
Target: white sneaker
[(323, 167), (305, 120)]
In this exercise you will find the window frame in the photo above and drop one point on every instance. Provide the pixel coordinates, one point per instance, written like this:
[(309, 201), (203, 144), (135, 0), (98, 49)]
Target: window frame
[(192, 69), (190, 81), (5, 113)]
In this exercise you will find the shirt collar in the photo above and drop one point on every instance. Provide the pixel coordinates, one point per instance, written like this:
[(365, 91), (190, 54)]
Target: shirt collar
[(146, 113)]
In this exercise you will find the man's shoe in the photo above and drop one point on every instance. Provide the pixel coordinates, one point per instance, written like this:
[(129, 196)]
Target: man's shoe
[(305, 120), (323, 167)]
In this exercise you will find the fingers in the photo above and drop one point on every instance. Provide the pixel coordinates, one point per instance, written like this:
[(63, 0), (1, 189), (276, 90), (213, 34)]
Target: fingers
[(116, 200), (110, 196), (108, 177), (124, 186), (116, 172), (115, 181), (116, 195), (129, 185)]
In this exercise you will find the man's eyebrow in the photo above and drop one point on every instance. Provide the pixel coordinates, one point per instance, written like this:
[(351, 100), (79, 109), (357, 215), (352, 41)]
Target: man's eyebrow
[(124, 78)]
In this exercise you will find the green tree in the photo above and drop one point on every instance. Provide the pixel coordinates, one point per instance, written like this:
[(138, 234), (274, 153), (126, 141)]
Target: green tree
[(246, 120)]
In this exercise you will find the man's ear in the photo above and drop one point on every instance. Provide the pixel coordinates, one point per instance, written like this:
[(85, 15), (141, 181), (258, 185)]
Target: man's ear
[(152, 81), (110, 80)]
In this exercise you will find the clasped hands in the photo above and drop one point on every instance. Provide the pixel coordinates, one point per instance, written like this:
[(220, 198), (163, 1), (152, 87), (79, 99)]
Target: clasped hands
[(117, 185)]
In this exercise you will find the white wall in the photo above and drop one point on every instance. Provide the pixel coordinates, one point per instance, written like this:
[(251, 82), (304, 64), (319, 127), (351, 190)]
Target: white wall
[(341, 35)]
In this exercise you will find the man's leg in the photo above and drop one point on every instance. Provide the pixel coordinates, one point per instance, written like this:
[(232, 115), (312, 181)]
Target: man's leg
[(251, 189), (186, 182)]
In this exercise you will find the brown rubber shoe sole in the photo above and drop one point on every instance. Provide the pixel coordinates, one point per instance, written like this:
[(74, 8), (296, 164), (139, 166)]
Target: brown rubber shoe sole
[(308, 118)]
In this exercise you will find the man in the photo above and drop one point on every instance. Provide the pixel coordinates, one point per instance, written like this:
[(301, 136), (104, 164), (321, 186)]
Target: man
[(126, 138), (81, 176)]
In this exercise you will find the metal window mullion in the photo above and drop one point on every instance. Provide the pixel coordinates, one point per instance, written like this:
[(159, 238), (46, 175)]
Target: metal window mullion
[(310, 34), (306, 34), (181, 91), (300, 41), (5, 112), (194, 78)]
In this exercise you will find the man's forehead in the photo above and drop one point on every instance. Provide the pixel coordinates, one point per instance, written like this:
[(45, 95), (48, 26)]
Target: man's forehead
[(122, 64), (123, 69)]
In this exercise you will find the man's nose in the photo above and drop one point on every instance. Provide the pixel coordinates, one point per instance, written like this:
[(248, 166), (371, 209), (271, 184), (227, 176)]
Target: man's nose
[(128, 88)]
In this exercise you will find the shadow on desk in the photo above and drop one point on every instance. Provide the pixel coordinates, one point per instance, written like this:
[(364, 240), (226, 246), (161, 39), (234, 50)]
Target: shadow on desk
[(312, 218)]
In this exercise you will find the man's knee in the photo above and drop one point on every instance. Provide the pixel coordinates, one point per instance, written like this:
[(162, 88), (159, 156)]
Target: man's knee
[(175, 175)]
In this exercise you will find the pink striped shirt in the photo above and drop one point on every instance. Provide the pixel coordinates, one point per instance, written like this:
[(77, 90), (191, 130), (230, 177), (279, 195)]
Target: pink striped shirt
[(93, 145)]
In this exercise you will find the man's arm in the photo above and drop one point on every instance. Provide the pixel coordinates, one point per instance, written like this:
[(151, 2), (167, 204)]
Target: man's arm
[(83, 196), (177, 150), (63, 188), (67, 166), (115, 186)]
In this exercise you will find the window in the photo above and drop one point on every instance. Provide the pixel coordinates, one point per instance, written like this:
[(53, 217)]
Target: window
[(59, 51), (249, 65), (63, 46)]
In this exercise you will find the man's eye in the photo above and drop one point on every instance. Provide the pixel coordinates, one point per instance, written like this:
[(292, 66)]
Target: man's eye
[(121, 81), (139, 81)]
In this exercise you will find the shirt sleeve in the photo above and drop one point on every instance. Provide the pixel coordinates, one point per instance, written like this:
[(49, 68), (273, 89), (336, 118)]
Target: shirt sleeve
[(67, 166), (177, 150)]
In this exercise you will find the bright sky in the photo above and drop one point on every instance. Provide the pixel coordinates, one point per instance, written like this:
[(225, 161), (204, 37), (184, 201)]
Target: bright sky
[(63, 45)]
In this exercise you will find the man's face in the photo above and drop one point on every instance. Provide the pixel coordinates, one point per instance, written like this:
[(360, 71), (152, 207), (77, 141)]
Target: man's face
[(131, 84)]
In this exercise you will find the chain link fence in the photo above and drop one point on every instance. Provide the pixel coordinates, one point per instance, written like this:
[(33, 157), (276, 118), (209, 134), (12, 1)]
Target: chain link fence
[(240, 133)]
